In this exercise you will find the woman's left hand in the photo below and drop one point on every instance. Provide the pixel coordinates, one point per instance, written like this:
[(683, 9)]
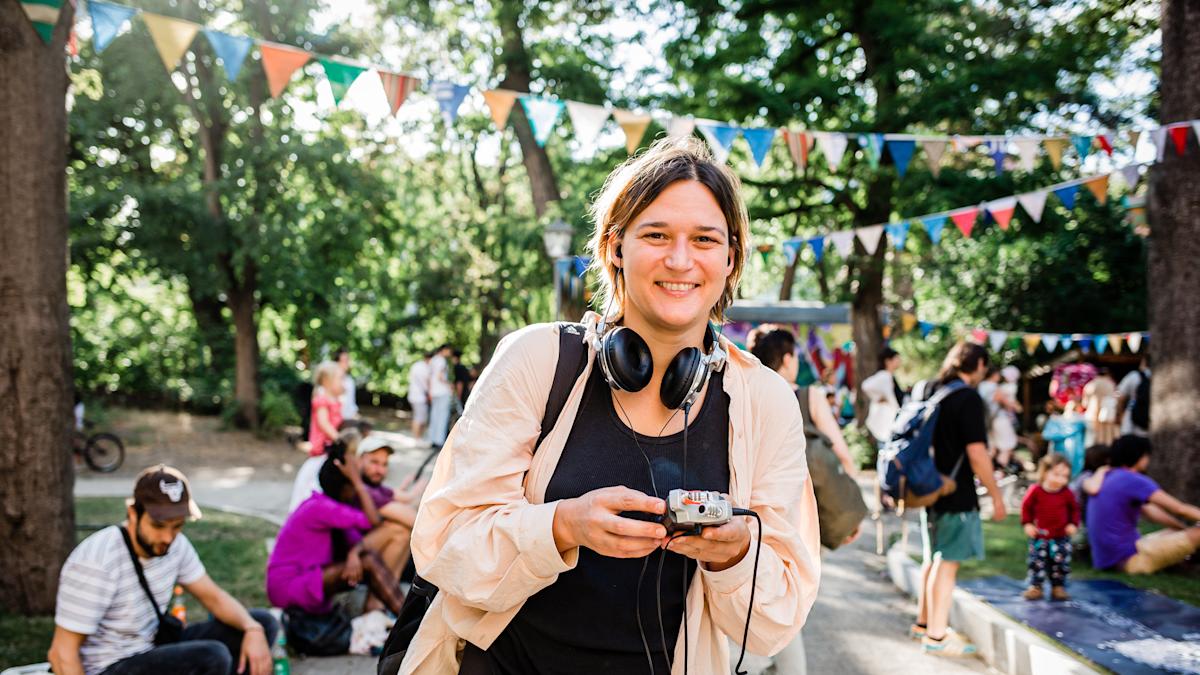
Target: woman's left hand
[(718, 547)]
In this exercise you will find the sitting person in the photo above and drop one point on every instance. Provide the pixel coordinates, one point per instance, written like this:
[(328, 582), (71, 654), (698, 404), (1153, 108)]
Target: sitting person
[(1117, 495), (303, 571), (395, 506), (106, 621)]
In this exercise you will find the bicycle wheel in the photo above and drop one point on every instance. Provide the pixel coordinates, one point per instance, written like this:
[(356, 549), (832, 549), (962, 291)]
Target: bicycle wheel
[(104, 452)]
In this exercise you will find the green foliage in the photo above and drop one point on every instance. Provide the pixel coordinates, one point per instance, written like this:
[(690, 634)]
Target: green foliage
[(862, 445)]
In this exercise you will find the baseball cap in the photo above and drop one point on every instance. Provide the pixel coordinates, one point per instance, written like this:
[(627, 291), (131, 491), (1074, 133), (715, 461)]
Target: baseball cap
[(372, 443), (165, 494)]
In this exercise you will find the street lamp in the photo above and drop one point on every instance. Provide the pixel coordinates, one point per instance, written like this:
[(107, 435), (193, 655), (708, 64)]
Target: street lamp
[(557, 238)]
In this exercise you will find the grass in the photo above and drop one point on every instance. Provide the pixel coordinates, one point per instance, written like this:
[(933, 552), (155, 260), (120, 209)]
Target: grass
[(1006, 546), (230, 546)]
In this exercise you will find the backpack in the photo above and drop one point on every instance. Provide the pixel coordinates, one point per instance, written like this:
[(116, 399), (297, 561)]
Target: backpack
[(840, 505), (907, 473), (571, 362), (1140, 413)]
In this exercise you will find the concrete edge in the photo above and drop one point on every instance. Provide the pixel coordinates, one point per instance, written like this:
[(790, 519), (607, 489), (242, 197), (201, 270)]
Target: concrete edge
[(1004, 644)]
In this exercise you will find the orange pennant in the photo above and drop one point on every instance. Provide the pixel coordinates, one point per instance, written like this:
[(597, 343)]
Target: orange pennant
[(799, 143), (1031, 340), (1054, 149), (908, 321), (1099, 188), (279, 63), (397, 87), (634, 125), (500, 103)]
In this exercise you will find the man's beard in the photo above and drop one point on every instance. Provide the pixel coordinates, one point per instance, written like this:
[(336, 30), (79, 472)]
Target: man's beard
[(373, 483), (146, 546)]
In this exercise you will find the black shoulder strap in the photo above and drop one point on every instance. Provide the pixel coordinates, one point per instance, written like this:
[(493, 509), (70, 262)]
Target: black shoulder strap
[(137, 566), (572, 355)]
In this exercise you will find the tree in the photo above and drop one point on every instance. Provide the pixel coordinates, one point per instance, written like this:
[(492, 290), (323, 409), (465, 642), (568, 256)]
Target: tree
[(37, 518), (1173, 271)]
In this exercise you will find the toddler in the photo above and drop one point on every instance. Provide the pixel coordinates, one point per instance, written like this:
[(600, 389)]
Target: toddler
[(1050, 516)]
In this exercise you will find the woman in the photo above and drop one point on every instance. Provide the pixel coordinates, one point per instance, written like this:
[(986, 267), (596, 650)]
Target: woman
[(538, 569), (322, 430), (883, 396)]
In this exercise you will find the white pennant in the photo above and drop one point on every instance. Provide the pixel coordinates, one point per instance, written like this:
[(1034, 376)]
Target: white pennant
[(1135, 342), (870, 236), (1027, 148), (1159, 137), (1131, 174), (1050, 342), (587, 119), (833, 146), (843, 241), (933, 154), (679, 126), (1033, 203), (996, 339)]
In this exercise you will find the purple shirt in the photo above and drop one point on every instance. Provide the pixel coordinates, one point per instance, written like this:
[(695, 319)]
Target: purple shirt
[(1112, 516), (305, 542)]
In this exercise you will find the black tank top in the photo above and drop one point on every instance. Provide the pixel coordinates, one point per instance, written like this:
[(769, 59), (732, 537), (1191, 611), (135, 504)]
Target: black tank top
[(587, 620)]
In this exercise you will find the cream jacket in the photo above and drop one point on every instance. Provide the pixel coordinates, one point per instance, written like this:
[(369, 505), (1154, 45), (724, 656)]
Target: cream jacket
[(484, 534)]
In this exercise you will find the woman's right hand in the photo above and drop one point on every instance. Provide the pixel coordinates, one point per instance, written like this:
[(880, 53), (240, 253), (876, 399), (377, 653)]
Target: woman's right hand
[(591, 520)]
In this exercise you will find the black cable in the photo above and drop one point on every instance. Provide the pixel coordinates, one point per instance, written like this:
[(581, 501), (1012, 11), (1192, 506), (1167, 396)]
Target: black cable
[(687, 409), (753, 586), (638, 609)]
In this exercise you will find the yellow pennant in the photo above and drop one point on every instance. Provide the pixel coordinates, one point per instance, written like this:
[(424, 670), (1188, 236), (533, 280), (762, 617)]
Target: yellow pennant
[(1134, 135), (171, 36), (1054, 148), (500, 103), (634, 125), (908, 321), (1031, 340), (1099, 188), (1115, 341)]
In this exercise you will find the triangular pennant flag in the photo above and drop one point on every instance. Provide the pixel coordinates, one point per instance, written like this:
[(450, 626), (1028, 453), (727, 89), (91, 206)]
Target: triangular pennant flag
[(1159, 138), (933, 155), (759, 139), (873, 145), (279, 63), (1179, 137), (870, 236), (843, 241), (901, 152), (1114, 341), (43, 14), (1067, 195), (450, 98), (1002, 210), (979, 336), (397, 87), (634, 125), (791, 248), (996, 339), (898, 233), (1134, 340), (933, 227), (231, 49), (582, 262), (171, 36), (500, 103), (720, 137), (1027, 149), (765, 252), (1195, 127), (680, 126), (1050, 342), (833, 146), (1083, 145), (1033, 203), (818, 247), (108, 21), (1131, 173), (799, 143), (1064, 342), (997, 154), (1099, 188), (908, 321), (926, 328), (588, 120), (1101, 343), (1084, 342), (1054, 150), (543, 114), (1031, 341), (1134, 136), (964, 219), (340, 75), (966, 143), (1105, 144)]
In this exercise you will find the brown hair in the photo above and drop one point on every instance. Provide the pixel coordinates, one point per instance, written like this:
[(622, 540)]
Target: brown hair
[(1051, 460), (770, 344), (963, 357), (630, 188)]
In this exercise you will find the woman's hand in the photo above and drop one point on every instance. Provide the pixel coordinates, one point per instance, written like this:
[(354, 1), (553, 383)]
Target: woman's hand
[(591, 520), (348, 465), (1030, 530), (352, 571), (719, 547)]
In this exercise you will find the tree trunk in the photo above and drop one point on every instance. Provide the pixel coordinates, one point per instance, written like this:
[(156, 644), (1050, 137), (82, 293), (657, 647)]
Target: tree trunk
[(245, 325), (1174, 307), (37, 479), (866, 325)]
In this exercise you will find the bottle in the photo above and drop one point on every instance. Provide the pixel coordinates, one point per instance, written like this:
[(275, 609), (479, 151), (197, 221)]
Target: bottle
[(279, 655), (178, 607)]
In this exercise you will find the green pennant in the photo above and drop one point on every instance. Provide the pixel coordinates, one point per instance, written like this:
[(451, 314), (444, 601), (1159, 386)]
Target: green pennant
[(43, 14), (341, 75)]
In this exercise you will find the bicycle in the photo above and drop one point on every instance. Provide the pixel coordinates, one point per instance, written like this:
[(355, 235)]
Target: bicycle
[(103, 452)]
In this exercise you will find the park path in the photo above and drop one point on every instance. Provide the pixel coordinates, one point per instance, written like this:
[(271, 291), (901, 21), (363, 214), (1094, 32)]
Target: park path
[(858, 624)]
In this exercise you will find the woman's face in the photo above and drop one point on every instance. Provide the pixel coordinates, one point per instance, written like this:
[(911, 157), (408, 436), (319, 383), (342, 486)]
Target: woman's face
[(675, 257)]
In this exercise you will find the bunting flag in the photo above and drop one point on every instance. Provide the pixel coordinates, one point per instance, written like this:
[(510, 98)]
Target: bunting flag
[(933, 227), (799, 144), (588, 120), (720, 138), (1084, 342), (1195, 126), (1064, 342), (1083, 145), (1101, 343), (818, 247), (108, 21), (933, 154), (870, 236), (1099, 188), (450, 98), (759, 140), (500, 103), (171, 36), (231, 49), (1179, 138), (1027, 150), (397, 87), (1054, 150), (996, 339), (998, 154), (1066, 194), (634, 125), (1131, 173), (843, 241), (901, 152), (1002, 210), (964, 220), (1105, 144), (340, 75), (1114, 341), (979, 336), (833, 146), (873, 145), (1134, 136), (925, 327), (280, 62), (680, 126), (543, 114), (1031, 340), (908, 321), (1050, 342), (791, 248), (1159, 138), (1033, 203), (898, 233), (43, 14), (1134, 340)]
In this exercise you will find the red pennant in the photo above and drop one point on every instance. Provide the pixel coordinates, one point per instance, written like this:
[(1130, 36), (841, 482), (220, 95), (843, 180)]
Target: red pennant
[(1105, 144), (979, 336), (964, 220), (1003, 217), (1179, 138)]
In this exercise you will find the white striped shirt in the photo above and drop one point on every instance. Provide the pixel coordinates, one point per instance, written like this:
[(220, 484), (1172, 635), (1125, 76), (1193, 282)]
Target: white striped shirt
[(99, 595)]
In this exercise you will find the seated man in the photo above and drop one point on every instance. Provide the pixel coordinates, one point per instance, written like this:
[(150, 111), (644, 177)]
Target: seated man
[(104, 622), (398, 507), (1119, 493), (303, 572)]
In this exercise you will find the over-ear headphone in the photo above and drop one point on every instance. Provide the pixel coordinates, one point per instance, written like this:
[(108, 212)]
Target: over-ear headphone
[(626, 364)]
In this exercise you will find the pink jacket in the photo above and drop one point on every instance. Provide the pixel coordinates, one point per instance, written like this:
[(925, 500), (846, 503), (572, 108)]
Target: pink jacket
[(484, 534)]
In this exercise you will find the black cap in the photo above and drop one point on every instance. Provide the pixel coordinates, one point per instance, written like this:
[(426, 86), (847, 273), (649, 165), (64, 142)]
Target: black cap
[(165, 494)]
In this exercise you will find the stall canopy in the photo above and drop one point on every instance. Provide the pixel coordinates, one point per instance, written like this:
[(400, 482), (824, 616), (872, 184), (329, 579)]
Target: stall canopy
[(788, 312)]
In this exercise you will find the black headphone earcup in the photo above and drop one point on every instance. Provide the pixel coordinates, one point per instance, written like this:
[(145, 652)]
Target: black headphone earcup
[(678, 378), (629, 360)]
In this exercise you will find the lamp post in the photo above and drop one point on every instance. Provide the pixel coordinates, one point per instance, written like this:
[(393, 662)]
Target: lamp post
[(557, 238)]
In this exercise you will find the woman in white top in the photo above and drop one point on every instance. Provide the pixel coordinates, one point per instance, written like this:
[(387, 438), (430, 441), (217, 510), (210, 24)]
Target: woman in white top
[(882, 396)]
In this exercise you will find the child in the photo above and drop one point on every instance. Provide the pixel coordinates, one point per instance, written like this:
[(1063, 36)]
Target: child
[(1050, 515), (323, 429)]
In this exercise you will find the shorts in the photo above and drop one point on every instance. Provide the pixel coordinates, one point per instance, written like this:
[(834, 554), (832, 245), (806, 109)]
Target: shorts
[(303, 589), (1159, 550), (420, 410), (953, 536)]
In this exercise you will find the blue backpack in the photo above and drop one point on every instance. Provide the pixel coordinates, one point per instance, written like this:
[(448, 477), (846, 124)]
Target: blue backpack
[(906, 470)]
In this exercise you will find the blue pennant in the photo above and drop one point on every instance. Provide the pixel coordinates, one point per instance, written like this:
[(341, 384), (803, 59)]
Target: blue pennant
[(997, 148), (760, 142), (543, 114), (449, 97), (933, 226), (231, 48), (818, 247), (901, 152), (723, 134), (1067, 195), (581, 265), (1083, 145), (898, 233), (107, 22), (926, 328), (1101, 343), (791, 247)]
